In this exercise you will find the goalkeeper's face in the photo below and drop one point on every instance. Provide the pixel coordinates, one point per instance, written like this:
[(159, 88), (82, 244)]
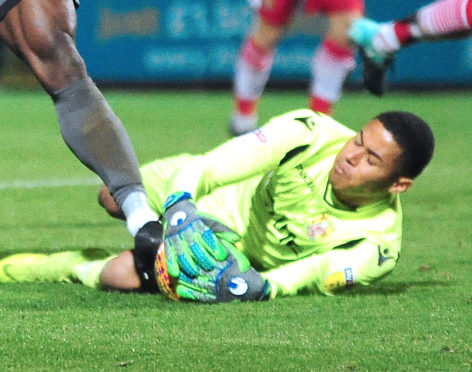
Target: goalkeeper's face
[(366, 167)]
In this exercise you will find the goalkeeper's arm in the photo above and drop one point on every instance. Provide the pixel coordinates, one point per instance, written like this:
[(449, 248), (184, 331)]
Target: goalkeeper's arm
[(332, 271)]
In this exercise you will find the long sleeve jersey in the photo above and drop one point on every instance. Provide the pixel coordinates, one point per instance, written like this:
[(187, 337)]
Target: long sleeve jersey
[(272, 186)]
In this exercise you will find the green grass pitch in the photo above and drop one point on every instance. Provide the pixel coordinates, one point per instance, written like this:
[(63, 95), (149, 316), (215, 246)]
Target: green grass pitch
[(417, 319)]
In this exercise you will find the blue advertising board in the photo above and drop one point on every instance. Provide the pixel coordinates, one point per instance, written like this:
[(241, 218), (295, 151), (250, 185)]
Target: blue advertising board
[(172, 41), (161, 40)]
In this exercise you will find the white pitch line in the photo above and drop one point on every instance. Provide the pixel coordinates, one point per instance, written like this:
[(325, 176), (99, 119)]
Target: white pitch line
[(49, 183)]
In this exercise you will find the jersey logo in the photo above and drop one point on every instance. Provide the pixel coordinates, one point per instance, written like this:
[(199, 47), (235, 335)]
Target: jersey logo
[(307, 121), (349, 276), (319, 227), (383, 258), (260, 135)]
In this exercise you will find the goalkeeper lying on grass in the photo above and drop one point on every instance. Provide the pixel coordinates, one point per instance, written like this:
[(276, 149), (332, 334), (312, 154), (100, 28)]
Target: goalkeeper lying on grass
[(304, 204)]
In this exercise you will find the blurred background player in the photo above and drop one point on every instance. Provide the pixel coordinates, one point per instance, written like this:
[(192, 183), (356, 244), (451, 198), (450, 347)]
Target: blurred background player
[(42, 34), (440, 20), (331, 64)]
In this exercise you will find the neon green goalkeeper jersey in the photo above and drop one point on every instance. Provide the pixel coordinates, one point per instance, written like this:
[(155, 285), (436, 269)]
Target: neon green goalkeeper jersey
[(272, 187)]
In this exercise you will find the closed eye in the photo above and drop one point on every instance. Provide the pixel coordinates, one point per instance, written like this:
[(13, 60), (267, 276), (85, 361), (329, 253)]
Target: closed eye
[(369, 151), (371, 161)]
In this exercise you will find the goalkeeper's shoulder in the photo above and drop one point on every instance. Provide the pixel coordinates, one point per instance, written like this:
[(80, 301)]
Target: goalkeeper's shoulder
[(305, 126), (306, 117)]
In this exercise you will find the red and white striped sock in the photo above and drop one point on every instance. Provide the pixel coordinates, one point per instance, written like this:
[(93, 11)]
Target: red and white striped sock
[(439, 18), (445, 17), (392, 36), (321, 105), (331, 65)]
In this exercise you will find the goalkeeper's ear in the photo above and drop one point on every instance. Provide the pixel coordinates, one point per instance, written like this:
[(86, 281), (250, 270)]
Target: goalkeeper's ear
[(402, 184)]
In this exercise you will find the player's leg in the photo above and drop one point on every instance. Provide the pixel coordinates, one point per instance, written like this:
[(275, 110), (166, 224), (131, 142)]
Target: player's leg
[(130, 271), (109, 204), (155, 176), (332, 62), (445, 19), (6, 6), (120, 273), (255, 61), (94, 268), (335, 57), (42, 33), (438, 20), (75, 266)]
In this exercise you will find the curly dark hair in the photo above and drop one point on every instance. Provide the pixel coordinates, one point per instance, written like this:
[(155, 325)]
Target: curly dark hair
[(415, 138)]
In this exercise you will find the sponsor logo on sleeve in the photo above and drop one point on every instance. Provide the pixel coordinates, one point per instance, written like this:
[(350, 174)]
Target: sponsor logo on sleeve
[(335, 281), (349, 277), (339, 279)]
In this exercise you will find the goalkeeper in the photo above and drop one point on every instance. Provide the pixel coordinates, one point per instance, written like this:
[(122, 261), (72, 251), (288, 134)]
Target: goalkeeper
[(315, 204)]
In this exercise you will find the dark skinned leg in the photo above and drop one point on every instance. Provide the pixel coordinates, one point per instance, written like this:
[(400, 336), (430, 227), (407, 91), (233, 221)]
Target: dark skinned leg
[(42, 33)]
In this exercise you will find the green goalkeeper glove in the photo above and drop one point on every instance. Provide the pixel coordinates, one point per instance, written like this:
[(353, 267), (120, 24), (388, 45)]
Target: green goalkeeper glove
[(190, 240), (229, 280), (199, 260)]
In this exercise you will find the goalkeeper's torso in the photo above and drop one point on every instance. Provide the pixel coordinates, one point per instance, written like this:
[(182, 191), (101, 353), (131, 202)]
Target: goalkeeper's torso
[(285, 210), (294, 214)]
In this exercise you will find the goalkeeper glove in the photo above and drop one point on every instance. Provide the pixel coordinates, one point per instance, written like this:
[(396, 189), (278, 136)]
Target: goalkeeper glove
[(199, 261), (231, 279), (190, 240)]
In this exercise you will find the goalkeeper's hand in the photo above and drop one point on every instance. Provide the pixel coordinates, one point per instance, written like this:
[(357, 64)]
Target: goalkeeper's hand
[(199, 261), (189, 237), (229, 280)]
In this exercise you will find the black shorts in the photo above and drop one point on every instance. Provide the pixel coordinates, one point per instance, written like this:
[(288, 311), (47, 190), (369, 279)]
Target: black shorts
[(7, 5)]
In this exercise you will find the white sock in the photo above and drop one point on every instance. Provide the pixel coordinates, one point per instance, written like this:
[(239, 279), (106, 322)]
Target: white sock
[(252, 71), (137, 212), (330, 69)]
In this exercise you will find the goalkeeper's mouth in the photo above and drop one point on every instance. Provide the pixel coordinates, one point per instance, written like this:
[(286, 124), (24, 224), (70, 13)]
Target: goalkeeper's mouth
[(338, 172)]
